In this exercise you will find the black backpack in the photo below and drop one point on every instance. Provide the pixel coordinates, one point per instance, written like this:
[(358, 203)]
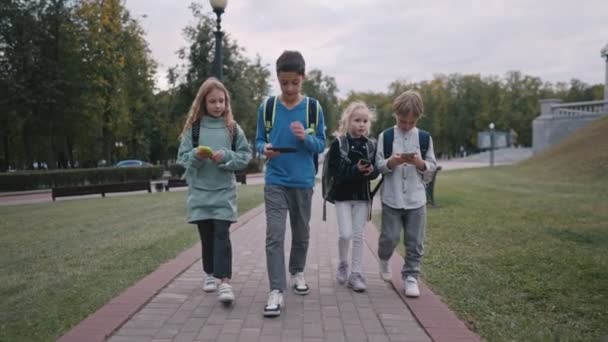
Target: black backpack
[(196, 128), (312, 119), (387, 147), (328, 179)]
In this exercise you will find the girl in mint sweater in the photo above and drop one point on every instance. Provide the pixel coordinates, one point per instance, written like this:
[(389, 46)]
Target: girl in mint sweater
[(212, 148)]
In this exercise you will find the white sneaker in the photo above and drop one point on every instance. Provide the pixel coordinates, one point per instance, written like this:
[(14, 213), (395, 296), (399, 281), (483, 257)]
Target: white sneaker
[(225, 294), (299, 284), (274, 305), (210, 284), (385, 270), (411, 287)]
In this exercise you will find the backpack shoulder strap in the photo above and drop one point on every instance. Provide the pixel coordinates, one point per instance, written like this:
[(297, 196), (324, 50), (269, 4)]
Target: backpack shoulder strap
[(270, 108), (312, 112), (235, 136), (424, 138), (196, 128), (343, 144), (387, 141), (371, 149)]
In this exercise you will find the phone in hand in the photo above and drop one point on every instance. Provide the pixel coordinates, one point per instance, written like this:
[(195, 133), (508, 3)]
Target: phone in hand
[(365, 162), (282, 149), (408, 155)]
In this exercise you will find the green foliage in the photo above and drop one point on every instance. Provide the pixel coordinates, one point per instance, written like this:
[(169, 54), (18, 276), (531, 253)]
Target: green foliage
[(520, 256), (247, 81), (19, 181), (457, 106), (324, 89), (78, 78)]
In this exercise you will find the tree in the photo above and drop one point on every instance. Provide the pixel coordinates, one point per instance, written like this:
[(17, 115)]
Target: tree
[(246, 81), (324, 89)]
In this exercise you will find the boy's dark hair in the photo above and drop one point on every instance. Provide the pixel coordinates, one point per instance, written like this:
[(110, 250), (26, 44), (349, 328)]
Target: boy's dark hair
[(291, 61)]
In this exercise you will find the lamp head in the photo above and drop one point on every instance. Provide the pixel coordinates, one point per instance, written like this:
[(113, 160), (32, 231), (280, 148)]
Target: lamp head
[(491, 125), (218, 5)]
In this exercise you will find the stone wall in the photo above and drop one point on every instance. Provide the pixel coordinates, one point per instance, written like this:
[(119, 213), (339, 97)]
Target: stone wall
[(557, 121)]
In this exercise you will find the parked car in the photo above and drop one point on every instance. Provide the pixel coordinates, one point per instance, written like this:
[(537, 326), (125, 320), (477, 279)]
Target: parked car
[(131, 163)]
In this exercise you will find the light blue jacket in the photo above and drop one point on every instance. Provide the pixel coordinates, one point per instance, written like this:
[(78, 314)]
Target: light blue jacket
[(211, 186)]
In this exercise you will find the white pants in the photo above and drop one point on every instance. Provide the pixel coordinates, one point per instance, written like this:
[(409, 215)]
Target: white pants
[(352, 216)]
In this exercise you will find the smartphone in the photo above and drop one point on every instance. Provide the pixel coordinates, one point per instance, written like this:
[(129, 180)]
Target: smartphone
[(408, 155), (283, 149), (365, 162)]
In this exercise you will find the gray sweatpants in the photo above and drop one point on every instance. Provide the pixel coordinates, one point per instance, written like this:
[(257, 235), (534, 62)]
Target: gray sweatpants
[(413, 222), (279, 200)]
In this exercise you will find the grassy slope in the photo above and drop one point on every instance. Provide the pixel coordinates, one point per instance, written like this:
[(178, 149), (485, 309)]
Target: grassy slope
[(61, 261), (520, 252)]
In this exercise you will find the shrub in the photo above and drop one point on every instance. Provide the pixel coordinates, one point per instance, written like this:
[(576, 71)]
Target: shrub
[(255, 166), (31, 180), (176, 170)]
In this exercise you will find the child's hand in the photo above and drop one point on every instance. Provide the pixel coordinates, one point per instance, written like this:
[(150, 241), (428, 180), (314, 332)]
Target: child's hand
[(217, 156), (201, 154), (414, 159), (410, 158), (395, 160), (269, 153), (298, 130), (365, 168)]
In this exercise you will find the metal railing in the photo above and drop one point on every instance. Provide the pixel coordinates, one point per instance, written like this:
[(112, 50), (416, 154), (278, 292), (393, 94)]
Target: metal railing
[(573, 109)]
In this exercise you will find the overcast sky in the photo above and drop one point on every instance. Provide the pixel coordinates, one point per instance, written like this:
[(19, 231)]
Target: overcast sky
[(367, 44)]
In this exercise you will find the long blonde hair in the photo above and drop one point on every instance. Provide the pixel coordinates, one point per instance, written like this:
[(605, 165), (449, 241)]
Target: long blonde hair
[(352, 108), (199, 108)]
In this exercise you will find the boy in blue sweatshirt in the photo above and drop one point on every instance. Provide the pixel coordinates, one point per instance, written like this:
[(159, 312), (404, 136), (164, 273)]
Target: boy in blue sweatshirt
[(290, 177)]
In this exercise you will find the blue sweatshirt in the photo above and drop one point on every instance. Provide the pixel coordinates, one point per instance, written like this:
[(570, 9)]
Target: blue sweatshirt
[(295, 170)]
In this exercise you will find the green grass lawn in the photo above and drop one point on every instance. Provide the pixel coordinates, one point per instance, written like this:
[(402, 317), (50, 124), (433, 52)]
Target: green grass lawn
[(520, 255), (61, 261)]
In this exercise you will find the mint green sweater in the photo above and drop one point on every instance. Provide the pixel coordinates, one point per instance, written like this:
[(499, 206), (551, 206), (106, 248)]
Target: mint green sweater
[(211, 186)]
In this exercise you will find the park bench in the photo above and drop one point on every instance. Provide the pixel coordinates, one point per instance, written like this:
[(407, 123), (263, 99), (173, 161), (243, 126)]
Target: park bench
[(102, 189), (430, 189), (175, 182), (241, 177)]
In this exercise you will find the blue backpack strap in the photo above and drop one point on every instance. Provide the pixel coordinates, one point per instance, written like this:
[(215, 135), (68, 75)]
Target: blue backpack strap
[(270, 108), (387, 142), (424, 137)]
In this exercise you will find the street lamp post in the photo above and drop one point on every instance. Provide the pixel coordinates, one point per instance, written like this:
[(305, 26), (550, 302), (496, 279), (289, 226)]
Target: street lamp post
[(118, 145), (491, 144), (604, 53), (218, 7)]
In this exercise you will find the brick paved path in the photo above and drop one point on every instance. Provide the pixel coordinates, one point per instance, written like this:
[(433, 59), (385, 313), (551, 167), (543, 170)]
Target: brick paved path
[(183, 312)]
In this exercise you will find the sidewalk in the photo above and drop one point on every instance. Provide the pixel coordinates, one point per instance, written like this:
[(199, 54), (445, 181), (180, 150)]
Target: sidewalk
[(181, 311)]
